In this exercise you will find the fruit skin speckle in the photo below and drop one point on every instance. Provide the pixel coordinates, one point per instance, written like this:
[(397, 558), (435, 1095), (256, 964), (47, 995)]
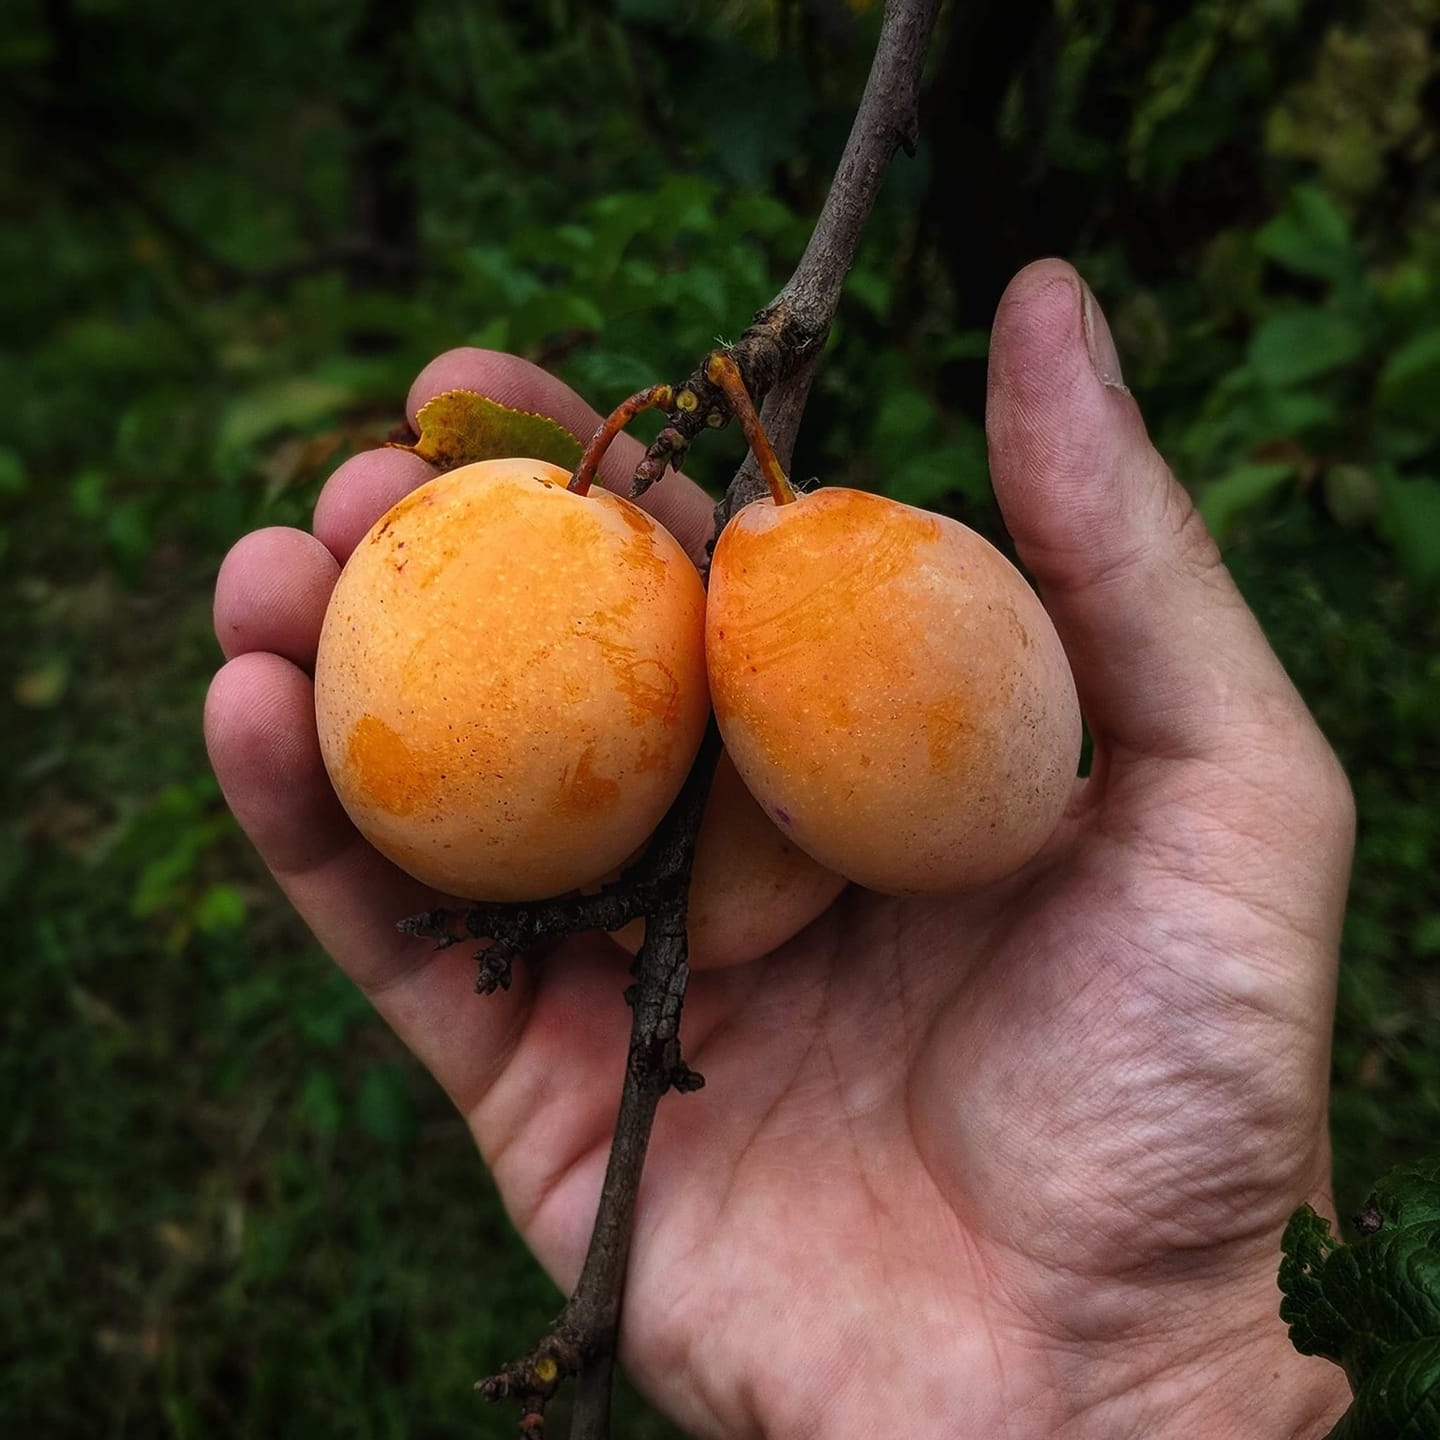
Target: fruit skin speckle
[(511, 684), (887, 679)]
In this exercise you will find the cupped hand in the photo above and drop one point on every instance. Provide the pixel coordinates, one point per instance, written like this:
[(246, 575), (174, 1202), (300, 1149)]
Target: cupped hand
[(1011, 1163)]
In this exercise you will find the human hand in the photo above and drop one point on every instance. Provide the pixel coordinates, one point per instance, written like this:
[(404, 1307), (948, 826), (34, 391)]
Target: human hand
[(1013, 1162)]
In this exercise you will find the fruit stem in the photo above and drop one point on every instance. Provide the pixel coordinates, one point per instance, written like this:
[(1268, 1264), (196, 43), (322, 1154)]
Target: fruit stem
[(653, 397), (721, 370)]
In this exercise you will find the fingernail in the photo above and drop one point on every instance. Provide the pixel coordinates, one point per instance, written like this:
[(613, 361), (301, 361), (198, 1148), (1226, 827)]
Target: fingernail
[(1104, 358)]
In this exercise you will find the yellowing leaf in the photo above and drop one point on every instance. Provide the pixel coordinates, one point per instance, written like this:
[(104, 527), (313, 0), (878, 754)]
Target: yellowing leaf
[(461, 427)]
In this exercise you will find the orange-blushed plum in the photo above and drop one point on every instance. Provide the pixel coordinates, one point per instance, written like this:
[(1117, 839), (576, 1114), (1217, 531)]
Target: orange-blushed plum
[(891, 690), (752, 888), (510, 687)]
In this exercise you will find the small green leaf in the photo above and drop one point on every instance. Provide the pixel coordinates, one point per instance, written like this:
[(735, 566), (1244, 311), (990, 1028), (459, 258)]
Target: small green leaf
[(608, 372), (905, 420), (758, 213), (966, 345), (1310, 236), (319, 1103), (12, 472), (1224, 502), (1291, 414), (220, 908), (1298, 345), (129, 533), (326, 1018), (461, 427), (1410, 521), (1425, 938), (870, 287), (1409, 385), (706, 287), (383, 1106), (925, 478), (87, 494), (296, 403)]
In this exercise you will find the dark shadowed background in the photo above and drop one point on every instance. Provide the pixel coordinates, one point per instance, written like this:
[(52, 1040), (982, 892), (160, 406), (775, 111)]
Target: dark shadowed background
[(229, 1203)]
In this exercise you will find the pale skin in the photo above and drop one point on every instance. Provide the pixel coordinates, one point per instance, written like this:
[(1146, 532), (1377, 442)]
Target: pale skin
[(1008, 1164)]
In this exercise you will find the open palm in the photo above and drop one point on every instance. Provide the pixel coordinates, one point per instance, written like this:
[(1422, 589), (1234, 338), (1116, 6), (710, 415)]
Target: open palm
[(1012, 1163)]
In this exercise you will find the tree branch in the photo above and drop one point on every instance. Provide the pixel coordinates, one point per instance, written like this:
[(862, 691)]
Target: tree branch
[(584, 1338), (778, 354), (777, 358)]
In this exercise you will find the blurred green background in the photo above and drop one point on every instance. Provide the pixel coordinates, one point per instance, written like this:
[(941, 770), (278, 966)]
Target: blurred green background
[(229, 1204)]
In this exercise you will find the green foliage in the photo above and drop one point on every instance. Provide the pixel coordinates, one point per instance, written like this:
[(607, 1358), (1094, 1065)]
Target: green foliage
[(1373, 1306), (229, 1202), (1347, 381)]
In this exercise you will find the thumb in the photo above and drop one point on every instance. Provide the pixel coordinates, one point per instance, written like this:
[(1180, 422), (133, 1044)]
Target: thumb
[(1167, 656)]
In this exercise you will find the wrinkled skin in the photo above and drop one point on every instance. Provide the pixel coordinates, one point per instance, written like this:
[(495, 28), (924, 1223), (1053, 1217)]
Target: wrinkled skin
[(1009, 1164)]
